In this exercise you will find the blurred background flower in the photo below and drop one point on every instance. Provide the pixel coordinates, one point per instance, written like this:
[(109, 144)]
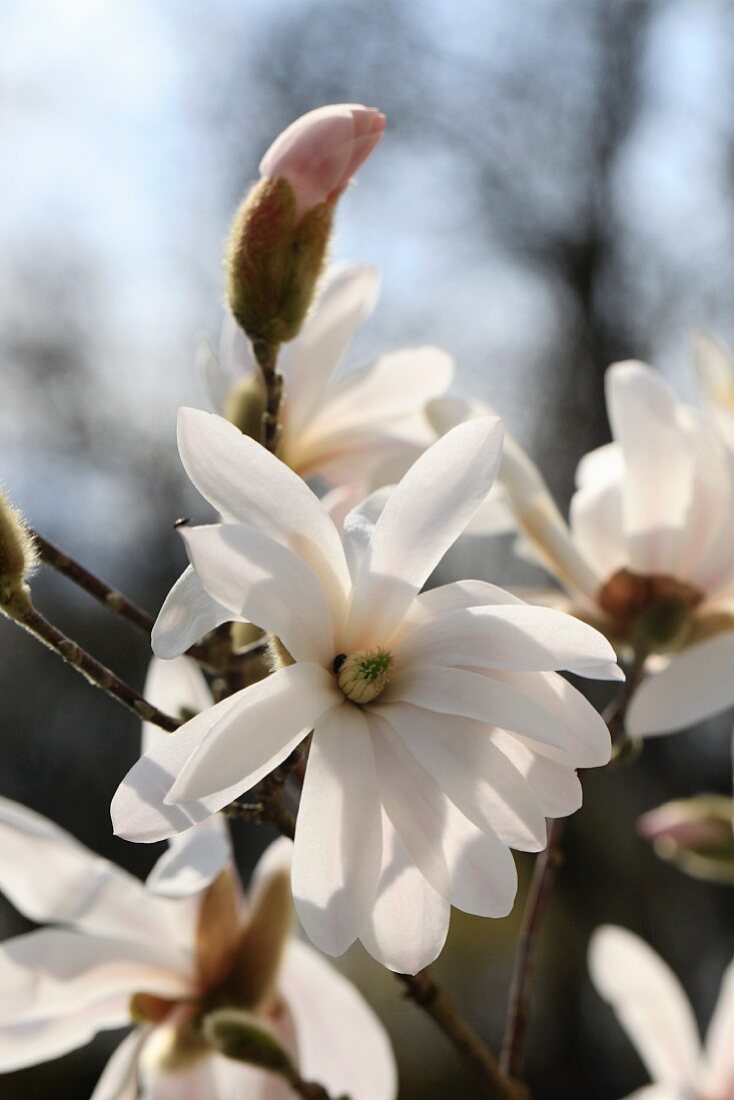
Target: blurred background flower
[(554, 191)]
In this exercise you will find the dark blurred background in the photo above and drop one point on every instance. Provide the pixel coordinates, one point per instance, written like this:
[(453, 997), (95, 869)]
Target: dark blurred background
[(554, 192)]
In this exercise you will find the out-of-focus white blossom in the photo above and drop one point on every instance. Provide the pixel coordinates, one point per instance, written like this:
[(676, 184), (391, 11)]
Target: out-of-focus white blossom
[(165, 954), (442, 735), (715, 371), (655, 1013)]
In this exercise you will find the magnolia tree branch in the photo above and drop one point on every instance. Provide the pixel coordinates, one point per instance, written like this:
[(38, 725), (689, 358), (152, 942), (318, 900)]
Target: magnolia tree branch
[(426, 993), (25, 615), (267, 357)]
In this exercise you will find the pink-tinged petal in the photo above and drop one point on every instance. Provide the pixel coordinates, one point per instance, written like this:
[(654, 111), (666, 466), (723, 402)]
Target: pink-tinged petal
[(409, 921), (346, 300), (425, 514), (188, 613), (469, 768), (320, 152), (597, 525), (341, 1042), (468, 866), (119, 1080), (658, 467), (695, 685), (587, 735), (458, 692), (649, 1002), (338, 845), (79, 887), (139, 810), (719, 1045), (29, 1043), (265, 583), (510, 637), (52, 972), (177, 687), (269, 720), (242, 481), (556, 786)]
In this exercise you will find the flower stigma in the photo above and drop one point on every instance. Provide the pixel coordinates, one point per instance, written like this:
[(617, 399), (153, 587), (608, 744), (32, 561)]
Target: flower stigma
[(364, 674)]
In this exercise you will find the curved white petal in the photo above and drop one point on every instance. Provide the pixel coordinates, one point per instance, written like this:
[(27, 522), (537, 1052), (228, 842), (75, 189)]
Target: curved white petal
[(196, 1081), (649, 1002), (250, 739), (466, 764), (265, 583), (457, 596), (658, 467), (695, 685), (347, 298), (30, 1043), (597, 526), (119, 1080), (187, 614), (53, 972), (425, 514), (556, 786), (77, 887), (192, 861), (514, 636), (139, 810), (338, 844), (359, 526), (409, 921), (603, 464), (247, 484), (341, 1043), (468, 866), (719, 1045), (455, 691), (177, 687)]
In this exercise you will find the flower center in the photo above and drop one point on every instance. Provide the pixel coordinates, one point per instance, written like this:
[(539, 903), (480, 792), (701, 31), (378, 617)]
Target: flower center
[(654, 611), (364, 674)]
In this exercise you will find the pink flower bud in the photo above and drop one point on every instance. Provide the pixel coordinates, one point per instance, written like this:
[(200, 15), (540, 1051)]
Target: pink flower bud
[(319, 153)]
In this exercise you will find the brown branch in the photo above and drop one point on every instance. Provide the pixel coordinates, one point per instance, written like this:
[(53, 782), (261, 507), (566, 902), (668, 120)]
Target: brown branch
[(426, 993), (267, 357), (24, 614)]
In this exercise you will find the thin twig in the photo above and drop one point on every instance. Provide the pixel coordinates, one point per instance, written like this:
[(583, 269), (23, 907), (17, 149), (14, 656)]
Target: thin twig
[(96, 673), (425, 991), (267, 357)]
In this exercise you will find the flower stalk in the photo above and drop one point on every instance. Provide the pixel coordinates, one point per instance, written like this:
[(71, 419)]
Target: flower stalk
[(267, 358)]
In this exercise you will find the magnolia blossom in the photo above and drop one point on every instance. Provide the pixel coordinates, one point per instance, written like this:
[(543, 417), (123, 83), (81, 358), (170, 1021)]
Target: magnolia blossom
[(648, 554), (166, 954), (441, 733), (351, 434), (320, 152), (655, 1013)]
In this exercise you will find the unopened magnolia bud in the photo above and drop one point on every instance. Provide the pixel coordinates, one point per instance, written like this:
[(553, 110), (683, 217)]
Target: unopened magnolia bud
[(278, 654), (17, 555), (241, 1036), (281, 231), (694, 833), (244, 405)]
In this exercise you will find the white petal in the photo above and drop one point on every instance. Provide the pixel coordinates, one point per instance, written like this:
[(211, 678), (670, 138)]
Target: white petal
[(454, 691), (52, 972), (347, 298), (192, 861), (597, 525), (359, 525), (468, 866), (341, 1043), (175, 686), (657, 462), (78, 887), (603, 464), (649, 1002), (467, 765), (275, 860), (716, 376), (247, 484), (456, 596), (197, 1081), (409, 921), (338, 845), (253, 737), (188, 613), (719, 1045), (119, 1080), (425, 514), (265, 583), (31, 1043), (556, 786), (697, 684), (511, 637)]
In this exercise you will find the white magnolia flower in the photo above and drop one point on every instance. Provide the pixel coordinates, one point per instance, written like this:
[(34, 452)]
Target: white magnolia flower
[(715, 371), (350, 434), (654, 1011), (648, 553), (442, 734), (166, 953)]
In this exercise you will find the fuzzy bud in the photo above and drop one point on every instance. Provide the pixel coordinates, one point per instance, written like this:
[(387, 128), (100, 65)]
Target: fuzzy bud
[(281, 231), (694, 833), (17, 556), (241, 1036)]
